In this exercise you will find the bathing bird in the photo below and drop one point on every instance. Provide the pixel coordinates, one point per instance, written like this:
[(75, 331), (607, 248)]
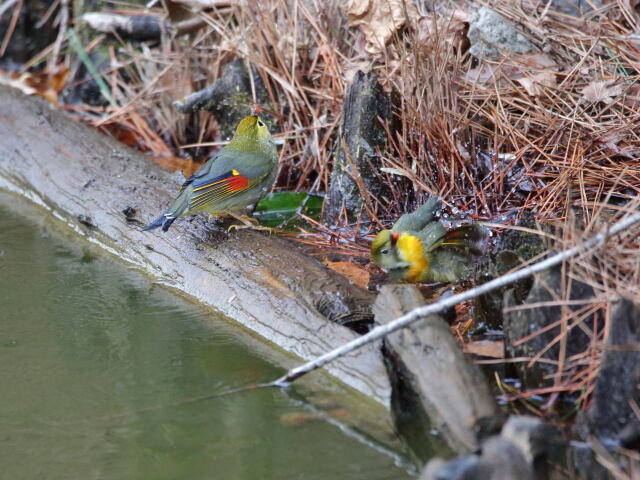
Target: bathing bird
[(418, 248)]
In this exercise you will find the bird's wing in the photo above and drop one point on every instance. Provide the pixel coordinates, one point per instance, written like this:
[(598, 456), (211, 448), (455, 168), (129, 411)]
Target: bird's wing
[(469, 237), (432, 235), (209, 190), (203, 171), (225, 176), (418, 219)]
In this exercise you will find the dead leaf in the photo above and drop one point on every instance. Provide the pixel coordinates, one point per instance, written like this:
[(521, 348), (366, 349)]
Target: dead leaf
[(482, 74), (295, 419), (485, 348), (444, 27), (20, 82), (601, 91), (632, 97), (533, 83), (378, 19), (46, 84), (351, 67), (534, 60), (357, 275)]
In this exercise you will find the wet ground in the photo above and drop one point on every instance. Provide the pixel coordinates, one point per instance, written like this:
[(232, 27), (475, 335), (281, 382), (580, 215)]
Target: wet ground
[(96, 361)]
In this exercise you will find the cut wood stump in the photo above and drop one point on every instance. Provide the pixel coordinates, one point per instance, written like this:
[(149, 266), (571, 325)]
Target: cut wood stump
[(450, 394)]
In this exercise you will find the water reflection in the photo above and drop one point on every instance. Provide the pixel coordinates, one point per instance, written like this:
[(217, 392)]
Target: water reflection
[(93, 358)]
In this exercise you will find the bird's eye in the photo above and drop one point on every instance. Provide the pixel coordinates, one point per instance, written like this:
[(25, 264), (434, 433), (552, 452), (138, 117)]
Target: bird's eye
[(260, 124), (385, 251)]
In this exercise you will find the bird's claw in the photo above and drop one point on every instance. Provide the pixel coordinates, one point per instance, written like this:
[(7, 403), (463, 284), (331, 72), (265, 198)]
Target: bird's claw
[(247, 222), (241, 226)]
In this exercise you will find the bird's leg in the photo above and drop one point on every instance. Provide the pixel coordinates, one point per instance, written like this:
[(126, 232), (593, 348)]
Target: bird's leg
[(246, 222)]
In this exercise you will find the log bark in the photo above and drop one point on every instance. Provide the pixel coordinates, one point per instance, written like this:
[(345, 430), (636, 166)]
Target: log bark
[(106, 191), (432, 377)]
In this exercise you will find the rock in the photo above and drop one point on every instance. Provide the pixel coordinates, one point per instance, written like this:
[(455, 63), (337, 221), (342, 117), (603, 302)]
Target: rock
[(465, 468), (490, 34), (610, 422), (500, 460), (356, 158), (534, 438), (576, 8), (82, 87), (547, 287), (434, 386), (520, 452), (617, 384), (514, 247), (229, 98), (525, 245)]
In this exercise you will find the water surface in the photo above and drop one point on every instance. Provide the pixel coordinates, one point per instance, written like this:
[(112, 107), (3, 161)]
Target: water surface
[(96, 360)]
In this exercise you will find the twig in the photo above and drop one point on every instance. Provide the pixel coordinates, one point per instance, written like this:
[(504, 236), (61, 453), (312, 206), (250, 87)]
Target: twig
[(448, 302)]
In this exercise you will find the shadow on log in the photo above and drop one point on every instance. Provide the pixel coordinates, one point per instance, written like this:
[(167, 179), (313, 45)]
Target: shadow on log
[(105, 191)]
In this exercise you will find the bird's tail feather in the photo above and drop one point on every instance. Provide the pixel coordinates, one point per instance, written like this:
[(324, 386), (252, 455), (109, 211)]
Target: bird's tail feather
[(471, 237), (179, 206), (163, 221)]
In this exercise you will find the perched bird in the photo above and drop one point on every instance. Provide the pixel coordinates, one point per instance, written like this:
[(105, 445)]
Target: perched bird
[(418, 248), (236, 178)]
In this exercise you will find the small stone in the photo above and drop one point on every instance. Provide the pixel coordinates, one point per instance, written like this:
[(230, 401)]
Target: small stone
[(490, 34)]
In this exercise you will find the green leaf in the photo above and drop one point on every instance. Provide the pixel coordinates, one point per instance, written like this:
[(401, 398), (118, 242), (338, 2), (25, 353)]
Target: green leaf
[(281, 209)]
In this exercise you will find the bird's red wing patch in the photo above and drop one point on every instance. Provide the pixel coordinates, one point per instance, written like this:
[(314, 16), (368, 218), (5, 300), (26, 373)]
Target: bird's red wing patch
[(455, 237), (214, 189)]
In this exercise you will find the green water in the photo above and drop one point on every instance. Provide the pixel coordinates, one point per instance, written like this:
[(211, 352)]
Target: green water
[(93, 356)]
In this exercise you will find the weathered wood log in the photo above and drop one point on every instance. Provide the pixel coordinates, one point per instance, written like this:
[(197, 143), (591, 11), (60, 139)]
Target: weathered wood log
[(229, 98), (140, 27), (450, 393), (611, 418), (134, 27), (105, 191), (543, 322)]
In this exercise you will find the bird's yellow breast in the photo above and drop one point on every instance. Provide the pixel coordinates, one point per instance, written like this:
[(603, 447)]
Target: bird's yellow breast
[(410, 250)]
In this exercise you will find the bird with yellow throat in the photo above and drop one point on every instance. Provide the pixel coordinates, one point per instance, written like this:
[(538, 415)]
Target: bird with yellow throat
[(418, 248)]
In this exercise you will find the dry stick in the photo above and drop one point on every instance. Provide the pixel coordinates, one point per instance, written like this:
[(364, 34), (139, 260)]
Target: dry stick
[(448, 302)]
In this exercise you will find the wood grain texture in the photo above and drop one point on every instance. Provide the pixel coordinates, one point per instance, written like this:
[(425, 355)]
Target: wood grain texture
[(263, 282), (449, 391)]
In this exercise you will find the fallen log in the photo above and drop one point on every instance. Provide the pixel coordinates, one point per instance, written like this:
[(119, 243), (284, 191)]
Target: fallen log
[(105, 191)]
